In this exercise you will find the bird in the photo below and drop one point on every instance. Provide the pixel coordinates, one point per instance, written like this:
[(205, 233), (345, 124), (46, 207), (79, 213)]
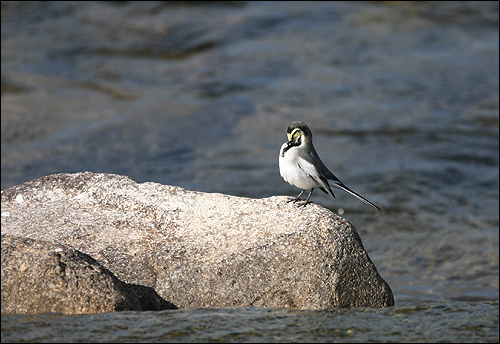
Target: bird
[(301, 166)]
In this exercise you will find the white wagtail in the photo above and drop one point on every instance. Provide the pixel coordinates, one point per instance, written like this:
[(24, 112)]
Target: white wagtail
[(301, 166)]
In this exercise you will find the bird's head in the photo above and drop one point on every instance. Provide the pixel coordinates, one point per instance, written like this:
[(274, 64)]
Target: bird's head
[(298, 133)]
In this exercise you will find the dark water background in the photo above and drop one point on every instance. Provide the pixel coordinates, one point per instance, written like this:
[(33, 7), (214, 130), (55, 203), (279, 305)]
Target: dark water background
[(402, 99)]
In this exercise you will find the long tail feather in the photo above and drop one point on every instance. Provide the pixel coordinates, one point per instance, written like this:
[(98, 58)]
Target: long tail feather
[(361, 198)]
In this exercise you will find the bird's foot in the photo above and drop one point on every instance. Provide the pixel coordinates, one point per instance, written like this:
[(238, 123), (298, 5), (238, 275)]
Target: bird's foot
[(299, 202), (303, 203)]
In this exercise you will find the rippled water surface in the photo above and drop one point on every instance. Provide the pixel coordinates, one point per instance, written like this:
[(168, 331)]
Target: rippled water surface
[(424, 322), (402, 99)]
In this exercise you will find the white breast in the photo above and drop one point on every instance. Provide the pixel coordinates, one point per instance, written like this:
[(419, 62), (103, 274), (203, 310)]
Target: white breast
[(292, 169)]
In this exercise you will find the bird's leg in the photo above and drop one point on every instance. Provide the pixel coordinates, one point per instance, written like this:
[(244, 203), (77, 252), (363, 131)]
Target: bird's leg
[(296, 198), (306, 202), (310, 193), (303, 203)]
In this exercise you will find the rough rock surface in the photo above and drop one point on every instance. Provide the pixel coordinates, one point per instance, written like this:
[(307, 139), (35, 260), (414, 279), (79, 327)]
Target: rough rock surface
[(200, 249), (42, 277)]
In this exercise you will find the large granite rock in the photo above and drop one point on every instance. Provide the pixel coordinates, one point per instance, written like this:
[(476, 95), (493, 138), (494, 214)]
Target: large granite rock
[(200, 249)]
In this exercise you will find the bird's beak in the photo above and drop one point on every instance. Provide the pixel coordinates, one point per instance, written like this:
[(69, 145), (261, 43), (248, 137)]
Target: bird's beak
[(289, 135)]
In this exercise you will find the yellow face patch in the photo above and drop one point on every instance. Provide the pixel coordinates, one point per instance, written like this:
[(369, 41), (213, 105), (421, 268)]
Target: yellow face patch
[(295, 135)]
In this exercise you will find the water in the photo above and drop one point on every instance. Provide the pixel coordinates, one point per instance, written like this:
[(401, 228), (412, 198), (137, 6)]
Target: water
[(402, 100), (423, 322)]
